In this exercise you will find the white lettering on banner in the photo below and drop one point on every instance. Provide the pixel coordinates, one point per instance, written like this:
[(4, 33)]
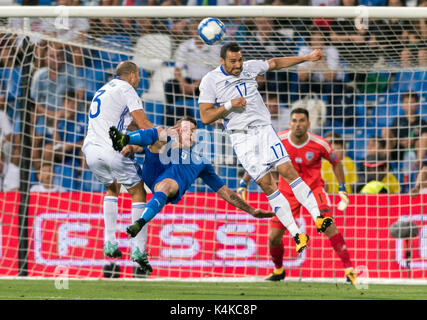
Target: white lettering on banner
[(65, 241), (192, 241), (166, 235), (400, 251), (223, 236)]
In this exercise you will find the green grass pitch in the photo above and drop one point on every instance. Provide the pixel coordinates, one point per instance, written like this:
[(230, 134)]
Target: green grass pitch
[(179, 290)]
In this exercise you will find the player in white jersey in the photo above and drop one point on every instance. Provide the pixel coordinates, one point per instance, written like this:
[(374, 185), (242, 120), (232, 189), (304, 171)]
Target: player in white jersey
[(117, 104), (231, 92)]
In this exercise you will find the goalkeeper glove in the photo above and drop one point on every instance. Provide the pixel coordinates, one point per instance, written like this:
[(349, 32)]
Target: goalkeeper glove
[(119, 139), (343, 204), (243, 187)]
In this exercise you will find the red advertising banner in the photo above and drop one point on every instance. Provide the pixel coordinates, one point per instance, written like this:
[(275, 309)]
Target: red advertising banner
[(204, 237), (9, 210)]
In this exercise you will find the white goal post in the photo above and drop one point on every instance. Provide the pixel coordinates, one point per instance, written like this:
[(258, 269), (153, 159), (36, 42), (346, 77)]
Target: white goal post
[(217, 11)]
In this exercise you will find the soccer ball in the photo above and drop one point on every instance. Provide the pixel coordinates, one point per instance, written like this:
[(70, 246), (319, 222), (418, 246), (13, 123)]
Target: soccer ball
[(211, 30)]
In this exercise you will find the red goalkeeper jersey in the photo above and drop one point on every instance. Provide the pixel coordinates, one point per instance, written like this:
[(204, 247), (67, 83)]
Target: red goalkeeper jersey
[(307, 158)]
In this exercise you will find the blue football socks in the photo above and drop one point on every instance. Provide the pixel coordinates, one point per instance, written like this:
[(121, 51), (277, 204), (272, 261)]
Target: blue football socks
[(154, 206), (143, 137)]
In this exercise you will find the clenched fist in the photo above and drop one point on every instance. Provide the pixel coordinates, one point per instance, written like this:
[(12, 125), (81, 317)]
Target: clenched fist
[(315, 55), (239, 104)]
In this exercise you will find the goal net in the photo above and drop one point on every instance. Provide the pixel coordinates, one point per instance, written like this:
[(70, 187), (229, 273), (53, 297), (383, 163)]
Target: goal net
[(367, 98)]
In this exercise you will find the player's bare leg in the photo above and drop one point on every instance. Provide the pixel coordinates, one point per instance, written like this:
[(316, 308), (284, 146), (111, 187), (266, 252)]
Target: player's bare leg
[(276, 249), (338, 244), (282, 209), (304, 195), (110, 220), (139, 254)]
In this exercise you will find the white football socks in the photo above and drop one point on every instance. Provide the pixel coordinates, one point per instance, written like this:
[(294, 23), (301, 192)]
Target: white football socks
[(306, 197), (110, 218), (283, 211), (141, 238)]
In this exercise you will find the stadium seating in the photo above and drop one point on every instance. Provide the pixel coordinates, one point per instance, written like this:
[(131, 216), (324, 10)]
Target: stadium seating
[(231, 174), (409, 80), (358, 143), (11, 78), (375, 3), (94, 79), (143, 83), (155, 112), (66, 176), (89, 183), (385, 110), (373, 109), (192, 109), (421, 85), (118, 42), (293, 86), (424, 111)]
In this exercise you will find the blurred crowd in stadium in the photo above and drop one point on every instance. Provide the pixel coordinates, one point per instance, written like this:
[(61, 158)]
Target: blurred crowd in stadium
[(376, 120)]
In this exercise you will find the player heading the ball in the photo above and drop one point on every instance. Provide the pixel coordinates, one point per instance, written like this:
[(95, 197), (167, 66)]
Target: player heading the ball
[(230, 92)]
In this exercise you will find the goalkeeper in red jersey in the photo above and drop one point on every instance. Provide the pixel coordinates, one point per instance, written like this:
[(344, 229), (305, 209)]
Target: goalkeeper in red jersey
[(306, 151)]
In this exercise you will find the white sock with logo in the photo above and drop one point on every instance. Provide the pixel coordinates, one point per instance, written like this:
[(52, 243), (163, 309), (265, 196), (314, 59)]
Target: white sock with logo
[(283, 211), (305, 196)]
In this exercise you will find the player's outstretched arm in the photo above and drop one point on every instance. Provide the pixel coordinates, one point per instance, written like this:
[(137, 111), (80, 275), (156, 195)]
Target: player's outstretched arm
[(234, 199), (285, 62)]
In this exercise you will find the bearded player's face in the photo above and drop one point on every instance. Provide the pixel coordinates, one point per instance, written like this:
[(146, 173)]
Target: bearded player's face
[(233, 63), (299, 124)]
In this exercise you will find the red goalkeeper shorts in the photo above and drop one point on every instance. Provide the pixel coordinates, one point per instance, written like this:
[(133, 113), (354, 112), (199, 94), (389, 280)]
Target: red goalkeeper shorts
[(322, 200)]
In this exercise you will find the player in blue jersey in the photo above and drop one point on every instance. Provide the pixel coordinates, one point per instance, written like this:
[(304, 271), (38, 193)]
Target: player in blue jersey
[(169, 174)]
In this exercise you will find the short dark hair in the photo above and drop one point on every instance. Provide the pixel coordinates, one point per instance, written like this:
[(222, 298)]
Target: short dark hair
[(380, 141), (125, 68), (231, 46), (70, 95), (300, 110), (336, 138), (187, 118), (410, 94)]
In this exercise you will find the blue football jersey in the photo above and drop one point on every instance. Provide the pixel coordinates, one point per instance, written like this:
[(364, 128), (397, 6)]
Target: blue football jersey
[(182, 165)]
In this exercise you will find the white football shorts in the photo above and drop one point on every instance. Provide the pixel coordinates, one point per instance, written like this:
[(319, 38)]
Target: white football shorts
[(258, 150), (109, 165)]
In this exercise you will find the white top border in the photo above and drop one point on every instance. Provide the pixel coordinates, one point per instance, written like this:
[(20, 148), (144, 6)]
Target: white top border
[(215, 11)]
